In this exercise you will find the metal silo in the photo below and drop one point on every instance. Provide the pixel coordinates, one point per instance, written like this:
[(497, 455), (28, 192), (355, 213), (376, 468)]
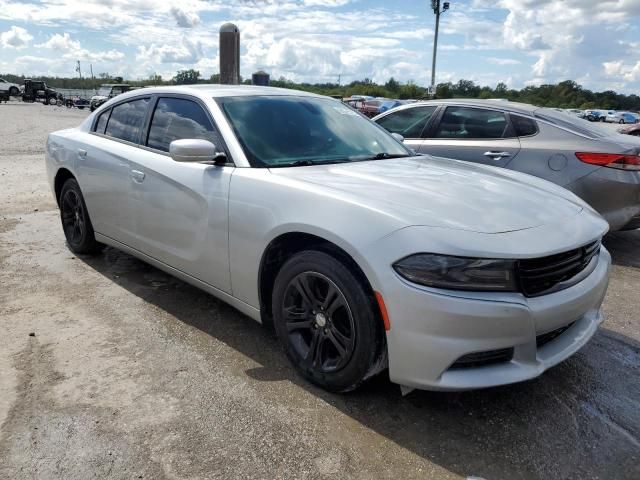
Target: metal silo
[(229, 54), (260, 78)]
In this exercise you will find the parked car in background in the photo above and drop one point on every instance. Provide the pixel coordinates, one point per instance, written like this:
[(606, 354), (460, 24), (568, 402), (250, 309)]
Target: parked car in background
[(389, 105), (595, 115), (293, 207), (371, 108), (600, 166), (39, 91), (13, 89), (633, 129), (576, 112), (620, 117), (106, 92)]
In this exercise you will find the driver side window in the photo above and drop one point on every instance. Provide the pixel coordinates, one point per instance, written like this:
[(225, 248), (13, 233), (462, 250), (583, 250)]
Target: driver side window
[(408, 122)]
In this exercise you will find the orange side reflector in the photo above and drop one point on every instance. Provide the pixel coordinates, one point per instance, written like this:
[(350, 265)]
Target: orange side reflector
[(383, 311)]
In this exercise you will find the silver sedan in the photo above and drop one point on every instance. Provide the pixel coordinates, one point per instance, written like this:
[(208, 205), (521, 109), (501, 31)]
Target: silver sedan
[(297, 210), (597, 164)]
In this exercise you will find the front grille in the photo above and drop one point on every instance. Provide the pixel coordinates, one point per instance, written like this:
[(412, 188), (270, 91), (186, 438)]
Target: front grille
[(542, 275), (545, 338), (482, 359)]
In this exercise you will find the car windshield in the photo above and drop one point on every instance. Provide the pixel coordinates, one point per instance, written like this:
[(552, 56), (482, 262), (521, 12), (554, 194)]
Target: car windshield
[(281, 131), (573, 123), (104, 91)]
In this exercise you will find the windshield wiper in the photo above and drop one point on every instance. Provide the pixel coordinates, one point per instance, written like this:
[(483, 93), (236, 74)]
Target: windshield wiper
[(385, 155), (308, 163)]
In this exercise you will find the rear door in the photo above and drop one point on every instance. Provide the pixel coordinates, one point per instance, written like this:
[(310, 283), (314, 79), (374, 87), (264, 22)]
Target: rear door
[(473, 134), (409, 122), (180, 210), (104, 167)]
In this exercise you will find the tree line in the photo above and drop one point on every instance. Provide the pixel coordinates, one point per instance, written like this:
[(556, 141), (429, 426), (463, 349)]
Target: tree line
[(566, 94)]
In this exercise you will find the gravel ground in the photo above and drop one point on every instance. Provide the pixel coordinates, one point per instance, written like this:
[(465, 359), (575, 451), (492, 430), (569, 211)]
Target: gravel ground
[(131, 373)]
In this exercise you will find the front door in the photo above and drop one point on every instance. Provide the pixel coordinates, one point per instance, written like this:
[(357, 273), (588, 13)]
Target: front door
[(180, 210), (409, 122)]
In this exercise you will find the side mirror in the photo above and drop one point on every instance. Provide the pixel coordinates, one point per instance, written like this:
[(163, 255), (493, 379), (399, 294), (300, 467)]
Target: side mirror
[(195, 150), (398, 137)]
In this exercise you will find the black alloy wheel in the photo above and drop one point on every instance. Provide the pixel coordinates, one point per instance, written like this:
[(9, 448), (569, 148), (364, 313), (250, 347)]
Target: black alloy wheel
[(327, 320), (76, 223), (319, 322)]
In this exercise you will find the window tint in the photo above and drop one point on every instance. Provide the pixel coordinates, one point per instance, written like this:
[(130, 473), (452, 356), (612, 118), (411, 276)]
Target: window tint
[(524, 126), (102, 121), (466, 122), (408, 122), (126, 120), (175, 119)]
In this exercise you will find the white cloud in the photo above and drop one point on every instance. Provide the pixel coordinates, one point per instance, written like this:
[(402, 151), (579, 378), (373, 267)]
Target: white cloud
[(185, 19), (187, 52), (71, 49), (503, 61), (15, 37)]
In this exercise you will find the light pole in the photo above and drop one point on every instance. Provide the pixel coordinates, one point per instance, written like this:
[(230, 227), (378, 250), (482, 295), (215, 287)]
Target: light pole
[(435, 5)]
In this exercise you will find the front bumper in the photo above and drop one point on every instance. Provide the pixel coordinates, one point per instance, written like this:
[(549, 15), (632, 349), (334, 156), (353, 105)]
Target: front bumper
[(431, 330)]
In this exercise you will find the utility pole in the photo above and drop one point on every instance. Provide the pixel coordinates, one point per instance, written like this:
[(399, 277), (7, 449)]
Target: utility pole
[(435, 5), (78, 70)]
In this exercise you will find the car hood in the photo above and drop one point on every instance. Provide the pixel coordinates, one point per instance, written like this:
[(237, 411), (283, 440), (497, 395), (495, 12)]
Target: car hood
[(99, 97), (443, 193)]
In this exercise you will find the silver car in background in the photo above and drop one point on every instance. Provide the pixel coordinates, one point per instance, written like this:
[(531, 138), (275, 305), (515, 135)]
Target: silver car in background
[(297, 210), (594, 162)]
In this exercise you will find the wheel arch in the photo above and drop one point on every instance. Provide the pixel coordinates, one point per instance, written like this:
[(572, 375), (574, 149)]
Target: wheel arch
[(283, 246), (62, 175)]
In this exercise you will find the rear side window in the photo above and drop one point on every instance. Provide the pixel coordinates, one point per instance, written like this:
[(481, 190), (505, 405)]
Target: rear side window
[(408, 122), (102, 121), (175, 119), (126, 120), (471, 123), (523, 126)]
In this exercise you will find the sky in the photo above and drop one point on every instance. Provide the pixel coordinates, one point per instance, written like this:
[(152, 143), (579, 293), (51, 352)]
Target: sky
[(518, 42)]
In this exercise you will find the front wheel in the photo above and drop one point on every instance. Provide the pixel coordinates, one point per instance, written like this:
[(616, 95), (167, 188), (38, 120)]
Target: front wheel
[(13, 91), (76, 223), (326, 321)]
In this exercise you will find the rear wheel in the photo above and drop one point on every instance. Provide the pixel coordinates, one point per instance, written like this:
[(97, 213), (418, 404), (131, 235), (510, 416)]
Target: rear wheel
[(76, 223), (326, 321)]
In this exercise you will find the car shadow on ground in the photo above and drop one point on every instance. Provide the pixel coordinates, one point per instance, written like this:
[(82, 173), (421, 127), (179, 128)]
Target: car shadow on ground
[(581, 419)]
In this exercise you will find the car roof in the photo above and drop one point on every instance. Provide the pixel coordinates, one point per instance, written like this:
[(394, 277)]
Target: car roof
[(215, 90), (515, 107)]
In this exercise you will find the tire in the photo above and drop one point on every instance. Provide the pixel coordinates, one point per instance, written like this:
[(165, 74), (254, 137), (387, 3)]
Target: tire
[(13, 91), (326, 321), (76, 223), (621, 122), (52, 101), (602, 119), (92, 108)]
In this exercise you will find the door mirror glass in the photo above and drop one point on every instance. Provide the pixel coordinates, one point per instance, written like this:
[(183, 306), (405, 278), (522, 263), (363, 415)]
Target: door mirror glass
[(192, 150), (398, 137)]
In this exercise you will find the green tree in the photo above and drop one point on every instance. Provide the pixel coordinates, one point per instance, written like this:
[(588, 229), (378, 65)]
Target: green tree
[(187, 77), (392, 85)]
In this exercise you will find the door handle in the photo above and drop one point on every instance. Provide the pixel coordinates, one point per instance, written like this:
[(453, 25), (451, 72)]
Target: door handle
[(497, 155), (137, 176), (82, 153)]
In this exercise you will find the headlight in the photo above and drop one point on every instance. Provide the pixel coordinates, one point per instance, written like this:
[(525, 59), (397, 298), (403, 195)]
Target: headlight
[(458, 273)]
